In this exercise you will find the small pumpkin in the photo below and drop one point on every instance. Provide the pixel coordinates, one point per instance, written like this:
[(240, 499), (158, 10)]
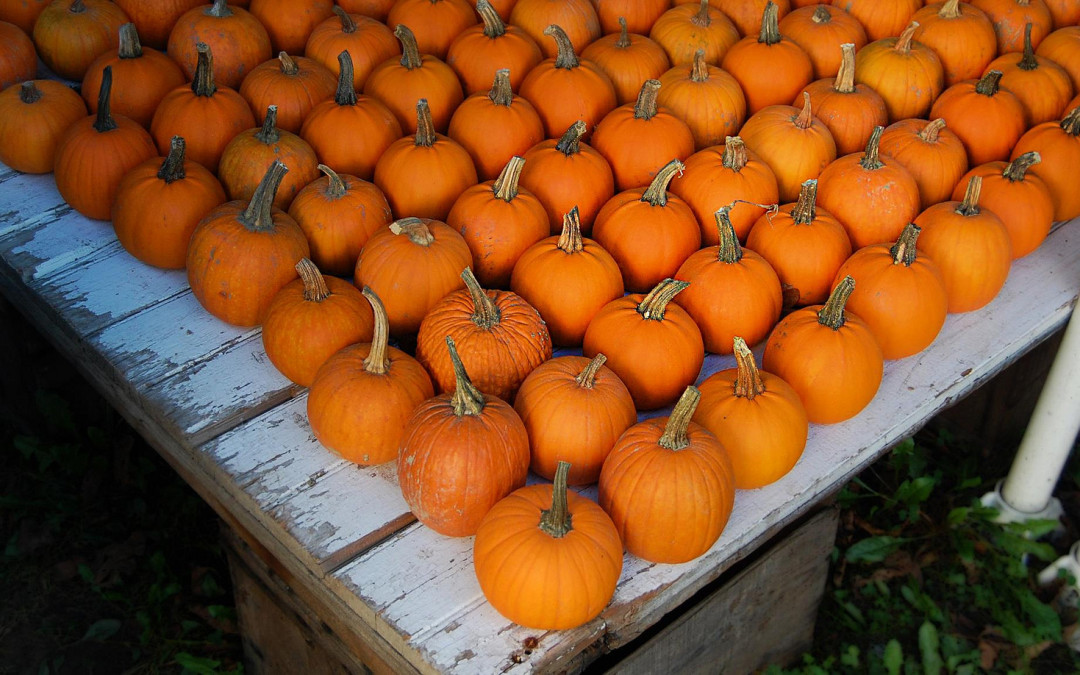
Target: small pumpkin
[(820, 30), (707, 98), (1042, 86), (933, 154), (33, 118), (988, 119), (154, 19), (18, 58), (288, 22), (1063, 48), (907, 74), (239, 40), (294, 84), (23, 13), (639, 15), (576, 18), (881, 18), (434, 22), (70, 34), (850, 110), (1065, 12), (1058, 144), (481, 50), (960, 34), (368, 41), (376, 9), (1009, 17), (685, 29), (628, 59), (771, 68)]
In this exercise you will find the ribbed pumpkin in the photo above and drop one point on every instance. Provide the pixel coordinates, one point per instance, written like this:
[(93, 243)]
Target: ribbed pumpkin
[(376, 9), (70, 34), (1042, 86), (759, 417), (971, 247), (577, 18), (412, 263), (1009, 18), (310, 319), (350, 132), (820, 30), (18, 58), (960, 34), (565, 88), (933, 154), (639, 138), (434, 22), (881, 18), (639, 15), (669, 486), (1065, 12), (241, 254), (521, 551), (829, 356), (566, 174), (849, 110), (23, 13), (159, 203), (721, 175), (1058, 144), (685, 29), (460, 453), (804, 244), (1063, 48), (652, 344), (907, 74), (94, 154), (363, 395), (629, 60), (707, 98), (155, 19), (338, 214), (988, 119), (206, 115), (568, 279), (1020, 199), (770, 68), (795, 144), (495, 125), (368, 41), (33, 117), (481, 50), (290, 22), (574, 410), (648, 231), (239, 40), (898, 293), (733, 291), (294, 84)]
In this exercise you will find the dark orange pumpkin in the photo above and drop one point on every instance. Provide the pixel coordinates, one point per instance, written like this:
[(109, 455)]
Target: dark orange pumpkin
[(988, 119), (907, 74), (934, 156), (577, 18), (707, 98), (1063, 48), (33, 117), (434, 22), (18, 58), (821, 30), (376, 9), (368, 41), (771, 68), (155, 19), (639, 15), (1058, 144), (629, 60), (746, 14), (239, 40), (849, 110), (960, 34), (1009, 17), (70, 34), (23, 13), (294, 84), (1065, 12), (289, 23), (881, 18), (479, 51), (685, 29), (1042, 86)]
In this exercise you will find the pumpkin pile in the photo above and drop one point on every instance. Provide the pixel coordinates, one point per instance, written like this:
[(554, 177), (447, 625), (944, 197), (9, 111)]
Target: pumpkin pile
[(641, 180)]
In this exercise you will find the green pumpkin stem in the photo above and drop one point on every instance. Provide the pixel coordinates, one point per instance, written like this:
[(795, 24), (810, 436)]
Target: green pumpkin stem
[(656, 193), (728, 251), (699, 71), (565, 57), (288, 64), (654, 304), (832, 313), (845, 76), (702, 18), (570, 143), (219, 10), (556, 521), (486, 313), (989, 84), (623, 42), (269, 133), (29, 92), (871, 159), (735, 157), (1017, 169), (570, 240), (315, 288), (415, 229), (494, 26), (467, 399), (425, 126), (748, 383), (645, 108), (805, 210), (970, 205), (336, 188), (506, 185), (376, 362), (586, 379), (172, 169), (346, 91), (903, 251), (770, 25), (130, 46), (410, 51), (104, 121), (501, 92), (678, 423), (258, 216), (203, 82)]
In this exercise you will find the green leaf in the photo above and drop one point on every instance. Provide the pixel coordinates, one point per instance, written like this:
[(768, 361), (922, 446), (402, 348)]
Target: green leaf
[(222, 612), (101, 630), (873, 549), (929, 646), (196, 664), (893, 657), (1046, 621), (850, 657), (914, 492)]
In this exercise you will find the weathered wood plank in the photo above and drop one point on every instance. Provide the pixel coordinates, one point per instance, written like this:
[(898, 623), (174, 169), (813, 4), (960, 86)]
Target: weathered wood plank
[(28, 200), (57, 240)]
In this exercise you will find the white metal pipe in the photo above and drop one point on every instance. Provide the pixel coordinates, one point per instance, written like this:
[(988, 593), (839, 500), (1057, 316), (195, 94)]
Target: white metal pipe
[(1051, 432)]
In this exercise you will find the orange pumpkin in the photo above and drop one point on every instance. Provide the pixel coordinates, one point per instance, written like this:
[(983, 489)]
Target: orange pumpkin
[(829, 356), (18, 58), (368, 41), (1065, 12), (1063, 48), (1058, 144), (934, 156), (312, 318), (289, 23), (746, 14), (898, 293), (23, 13), (479, 51), (1009, 18), (294, 84), (1042, 86), (759, 417), (988, 119), (907, 74), (707, 98), (33, 117), (155, 19), (849, 110), (685, 29), (239, 40), (629, 60), (639, 15), (960, 34), (821, 30), (70, 34), (577, 18), (460, 453), (159, 203), (669, 486), (770, 68), (881, 18), (434, 22), (376, 9), (363, 395)]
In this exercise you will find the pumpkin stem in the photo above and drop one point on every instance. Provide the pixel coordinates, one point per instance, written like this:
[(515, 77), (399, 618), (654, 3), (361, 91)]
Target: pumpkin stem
[(806, 117), (655, 303), (903, 251), (748, 382), (410, 51), (346, 92), (555, 521), (805, 209), (203, 82), (645, 108), (336, 189), (506, 185), (699, 71), (501, 92), (494, 26), (770, 25), (467, 399), (678, 423), (105, 121), (932, 131), (702, 17), (624, 35), (845, 76), (970, 205), (258, 216), (950, 10), (269, 134), (570, 240), (1017, 169), (903, 43), (832, 313), (415, 229), (29, 93), (570, 143), (347, 23), (77, 7), (587, 377), (172, 169), (822, 14), (735, 156), (565, 57), (728, 251), (425, 126), (656, 193), (315, 289), (130, 46), (871, 159), (288, 65), (486, 313), (376, 361), (1028, 60), (1071, 123), (219, 10), (989, 84)]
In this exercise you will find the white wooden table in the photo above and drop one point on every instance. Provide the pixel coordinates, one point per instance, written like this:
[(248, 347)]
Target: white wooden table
[(205, 395)]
